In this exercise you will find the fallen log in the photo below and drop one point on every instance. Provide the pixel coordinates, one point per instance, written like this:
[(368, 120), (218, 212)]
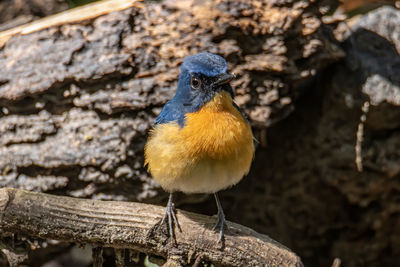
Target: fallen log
[(128, 225), (79, 90)]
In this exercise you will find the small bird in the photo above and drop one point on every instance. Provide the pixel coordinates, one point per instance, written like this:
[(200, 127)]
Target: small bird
[(201, 142)]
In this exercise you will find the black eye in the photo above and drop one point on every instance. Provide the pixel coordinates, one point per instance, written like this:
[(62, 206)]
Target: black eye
[(195, 83)]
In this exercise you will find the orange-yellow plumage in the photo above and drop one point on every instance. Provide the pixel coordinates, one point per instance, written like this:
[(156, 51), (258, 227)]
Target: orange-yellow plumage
[(211, 152)]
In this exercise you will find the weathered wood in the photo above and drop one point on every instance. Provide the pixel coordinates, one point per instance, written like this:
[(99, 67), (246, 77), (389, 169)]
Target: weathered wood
[(18, 12), (77, 15), (78, 95), (127, 225)]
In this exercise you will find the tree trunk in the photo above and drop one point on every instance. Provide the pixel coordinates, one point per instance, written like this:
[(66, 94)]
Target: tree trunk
[(79, 91)]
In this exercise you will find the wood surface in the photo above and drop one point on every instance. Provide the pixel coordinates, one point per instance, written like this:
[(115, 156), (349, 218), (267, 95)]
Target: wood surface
[(129, 225)]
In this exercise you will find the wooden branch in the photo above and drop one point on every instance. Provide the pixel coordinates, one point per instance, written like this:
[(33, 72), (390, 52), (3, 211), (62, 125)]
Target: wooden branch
[(128, 224), (74, 15)]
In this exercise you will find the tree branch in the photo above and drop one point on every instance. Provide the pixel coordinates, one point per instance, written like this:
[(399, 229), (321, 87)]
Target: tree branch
[(128, 225), (75, 15)]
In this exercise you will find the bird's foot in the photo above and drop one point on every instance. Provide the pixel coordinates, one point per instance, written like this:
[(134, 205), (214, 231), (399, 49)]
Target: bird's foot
[(221, 225), (169, 220)]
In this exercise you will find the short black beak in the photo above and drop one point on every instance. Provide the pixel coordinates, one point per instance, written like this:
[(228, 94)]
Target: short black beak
[(224, 79)]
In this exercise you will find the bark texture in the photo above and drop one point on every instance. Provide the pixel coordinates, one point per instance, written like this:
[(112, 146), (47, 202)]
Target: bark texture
[(317, 199), (78, 99), (128, 225), (17, 12)]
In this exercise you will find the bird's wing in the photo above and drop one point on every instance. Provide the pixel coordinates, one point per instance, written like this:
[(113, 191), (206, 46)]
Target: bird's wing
[(172, 111)]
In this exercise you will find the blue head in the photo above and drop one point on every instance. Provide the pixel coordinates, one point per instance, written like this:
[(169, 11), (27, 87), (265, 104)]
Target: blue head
[(202, 76)]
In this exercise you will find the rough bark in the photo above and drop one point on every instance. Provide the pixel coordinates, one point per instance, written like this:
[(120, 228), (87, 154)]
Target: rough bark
[(78, 98), (17, 12), (129, 225), (317, 201)]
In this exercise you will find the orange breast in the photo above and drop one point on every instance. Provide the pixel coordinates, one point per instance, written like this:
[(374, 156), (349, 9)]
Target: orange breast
[(212, 151)]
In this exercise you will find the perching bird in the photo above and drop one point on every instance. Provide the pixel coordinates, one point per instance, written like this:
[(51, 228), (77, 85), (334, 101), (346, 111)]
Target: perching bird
[(201, 142)]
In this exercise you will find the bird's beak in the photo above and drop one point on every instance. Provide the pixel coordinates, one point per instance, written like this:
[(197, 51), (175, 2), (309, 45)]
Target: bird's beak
[(224, 78)]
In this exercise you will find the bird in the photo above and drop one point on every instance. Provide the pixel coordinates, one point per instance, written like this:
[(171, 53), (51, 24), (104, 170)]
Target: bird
[(201, 142)]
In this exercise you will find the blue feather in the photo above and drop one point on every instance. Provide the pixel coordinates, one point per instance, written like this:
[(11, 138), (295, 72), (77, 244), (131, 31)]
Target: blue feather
[(172, 111), (188, 100)]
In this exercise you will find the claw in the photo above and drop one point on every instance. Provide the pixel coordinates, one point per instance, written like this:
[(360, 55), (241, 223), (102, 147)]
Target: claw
[(170, 219)]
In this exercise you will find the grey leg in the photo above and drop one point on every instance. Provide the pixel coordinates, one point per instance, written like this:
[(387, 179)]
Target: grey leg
[(171, 217), (221, 222)]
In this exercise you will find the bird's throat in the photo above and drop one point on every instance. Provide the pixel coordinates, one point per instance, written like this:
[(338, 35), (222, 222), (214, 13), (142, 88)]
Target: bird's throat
[(221, 101)]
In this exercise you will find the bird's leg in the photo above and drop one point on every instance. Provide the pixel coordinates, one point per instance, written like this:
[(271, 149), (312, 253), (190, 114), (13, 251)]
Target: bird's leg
[(221, 222), (170, 217)]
